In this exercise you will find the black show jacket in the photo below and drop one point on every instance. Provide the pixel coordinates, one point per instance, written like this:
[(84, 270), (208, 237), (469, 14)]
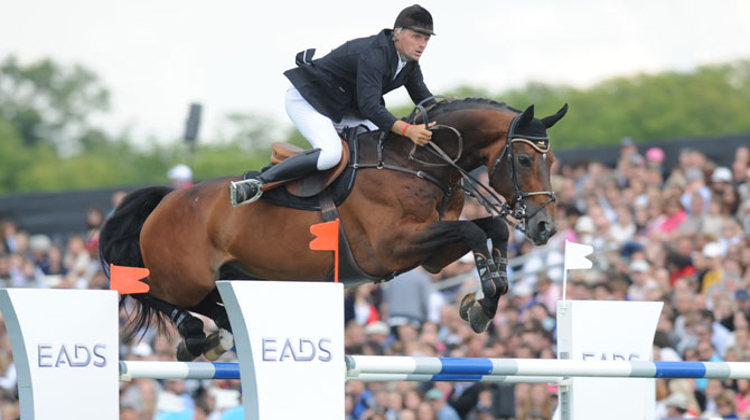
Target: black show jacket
[(353, 78)]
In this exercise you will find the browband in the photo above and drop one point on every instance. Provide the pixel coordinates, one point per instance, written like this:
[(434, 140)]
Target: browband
[(541, 145)]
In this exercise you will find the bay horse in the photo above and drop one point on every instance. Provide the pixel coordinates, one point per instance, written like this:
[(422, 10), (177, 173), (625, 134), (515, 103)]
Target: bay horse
[(402, 212)]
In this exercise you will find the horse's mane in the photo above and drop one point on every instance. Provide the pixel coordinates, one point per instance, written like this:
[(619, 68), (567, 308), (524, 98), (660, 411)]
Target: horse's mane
[(455, 104)]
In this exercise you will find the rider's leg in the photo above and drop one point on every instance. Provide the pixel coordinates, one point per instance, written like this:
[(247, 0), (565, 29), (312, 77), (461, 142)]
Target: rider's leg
[(317, 129)]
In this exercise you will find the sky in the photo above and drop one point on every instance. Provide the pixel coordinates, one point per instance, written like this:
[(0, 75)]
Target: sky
[(158, 56)]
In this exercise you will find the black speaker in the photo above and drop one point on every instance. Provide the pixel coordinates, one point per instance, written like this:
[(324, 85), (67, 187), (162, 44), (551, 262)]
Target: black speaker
[(193, 123)]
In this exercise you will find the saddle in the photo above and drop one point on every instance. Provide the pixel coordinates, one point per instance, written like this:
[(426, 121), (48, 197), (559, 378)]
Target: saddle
[(314, 183)]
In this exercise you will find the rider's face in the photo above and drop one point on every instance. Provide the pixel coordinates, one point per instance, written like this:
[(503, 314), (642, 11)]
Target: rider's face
[(411, 44)]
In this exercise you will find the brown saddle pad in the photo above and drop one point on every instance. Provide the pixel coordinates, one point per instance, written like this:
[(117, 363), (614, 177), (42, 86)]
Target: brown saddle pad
[(314, 183)]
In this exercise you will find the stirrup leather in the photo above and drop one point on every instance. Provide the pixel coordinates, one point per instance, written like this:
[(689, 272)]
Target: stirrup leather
[(233, 191)]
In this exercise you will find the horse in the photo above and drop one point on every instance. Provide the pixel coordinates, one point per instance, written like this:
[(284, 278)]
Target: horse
[(402, 211)]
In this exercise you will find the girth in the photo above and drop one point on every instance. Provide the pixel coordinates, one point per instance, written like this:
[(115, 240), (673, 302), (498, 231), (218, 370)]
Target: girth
[(350, 273)]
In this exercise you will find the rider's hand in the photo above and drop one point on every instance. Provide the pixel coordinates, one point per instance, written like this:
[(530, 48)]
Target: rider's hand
[(419, 133)]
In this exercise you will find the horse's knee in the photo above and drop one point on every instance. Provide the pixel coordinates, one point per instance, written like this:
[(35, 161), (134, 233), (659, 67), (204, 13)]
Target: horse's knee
[(501, 231), (474, 236)]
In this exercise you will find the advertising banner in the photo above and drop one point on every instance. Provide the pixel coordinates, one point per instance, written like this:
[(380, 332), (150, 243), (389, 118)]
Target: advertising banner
[(65, 347), (601, 331), (290, 344)]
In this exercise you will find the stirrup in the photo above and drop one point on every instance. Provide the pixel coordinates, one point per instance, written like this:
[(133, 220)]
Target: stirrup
[(233, 191)]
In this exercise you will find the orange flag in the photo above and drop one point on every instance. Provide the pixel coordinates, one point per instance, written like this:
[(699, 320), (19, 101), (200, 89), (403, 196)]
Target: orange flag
[(327, 239), (126, 280)]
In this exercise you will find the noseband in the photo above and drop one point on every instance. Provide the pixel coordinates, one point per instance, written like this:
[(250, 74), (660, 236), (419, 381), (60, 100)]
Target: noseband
[(517, 208)]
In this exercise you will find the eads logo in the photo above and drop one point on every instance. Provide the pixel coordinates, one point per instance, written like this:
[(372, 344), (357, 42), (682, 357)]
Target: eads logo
[(296, 349), (607, 356), (75, 355)]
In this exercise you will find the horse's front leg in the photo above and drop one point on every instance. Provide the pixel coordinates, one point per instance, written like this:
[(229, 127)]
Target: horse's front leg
[(474, 310), (441, 238), (497, 231)]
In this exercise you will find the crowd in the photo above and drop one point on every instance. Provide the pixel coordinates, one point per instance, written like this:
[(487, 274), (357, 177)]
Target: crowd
[(681, 237)]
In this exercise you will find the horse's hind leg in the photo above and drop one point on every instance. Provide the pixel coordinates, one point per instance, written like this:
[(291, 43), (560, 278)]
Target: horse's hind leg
[(218, 342), (190, 328)]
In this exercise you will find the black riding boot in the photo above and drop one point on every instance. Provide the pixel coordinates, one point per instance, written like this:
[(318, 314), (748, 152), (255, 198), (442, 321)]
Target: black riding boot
[(297, 166)]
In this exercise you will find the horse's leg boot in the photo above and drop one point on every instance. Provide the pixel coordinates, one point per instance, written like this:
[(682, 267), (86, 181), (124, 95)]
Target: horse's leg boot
[(193, 338), (488, 275), (501, 263), (217, 344)]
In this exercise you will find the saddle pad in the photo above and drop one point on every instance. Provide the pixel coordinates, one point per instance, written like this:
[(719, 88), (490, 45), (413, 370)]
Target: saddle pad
[(339, 190)]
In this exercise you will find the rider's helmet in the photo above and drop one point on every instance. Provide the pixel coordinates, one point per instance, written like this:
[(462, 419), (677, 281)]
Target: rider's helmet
[(416, 18)]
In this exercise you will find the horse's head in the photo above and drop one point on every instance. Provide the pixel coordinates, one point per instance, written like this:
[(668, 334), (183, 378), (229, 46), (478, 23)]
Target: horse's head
[(521, 173)]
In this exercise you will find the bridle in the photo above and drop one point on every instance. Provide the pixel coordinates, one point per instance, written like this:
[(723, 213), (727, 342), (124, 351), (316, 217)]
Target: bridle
[(486, 197), (517, 208)]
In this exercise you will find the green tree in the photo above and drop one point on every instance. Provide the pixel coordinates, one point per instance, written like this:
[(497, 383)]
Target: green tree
[(14, 157), (50, 103)]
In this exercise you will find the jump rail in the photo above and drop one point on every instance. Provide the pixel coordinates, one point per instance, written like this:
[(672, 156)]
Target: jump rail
[(481, 367), (425, 369), (130, 370)]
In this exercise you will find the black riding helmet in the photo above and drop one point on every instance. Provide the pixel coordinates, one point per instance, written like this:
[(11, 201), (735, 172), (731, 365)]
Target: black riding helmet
[(416, 18)]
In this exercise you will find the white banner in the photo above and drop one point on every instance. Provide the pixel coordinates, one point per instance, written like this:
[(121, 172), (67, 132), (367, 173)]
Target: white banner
[(65, 347), (290, 344), (607, 330)]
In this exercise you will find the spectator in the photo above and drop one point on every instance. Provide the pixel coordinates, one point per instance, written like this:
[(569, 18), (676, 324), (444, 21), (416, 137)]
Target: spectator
[(94, 222), (642, 280), (439, 404), (181, 176), (677, 406), (407, 298), (360, 305), (726, 406)]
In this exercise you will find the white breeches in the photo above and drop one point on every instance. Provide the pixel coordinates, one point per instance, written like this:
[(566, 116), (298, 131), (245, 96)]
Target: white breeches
[(318, 129)]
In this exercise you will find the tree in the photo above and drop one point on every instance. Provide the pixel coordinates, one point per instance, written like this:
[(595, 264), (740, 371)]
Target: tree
[(14, 157), (49, 103), (251, 132)]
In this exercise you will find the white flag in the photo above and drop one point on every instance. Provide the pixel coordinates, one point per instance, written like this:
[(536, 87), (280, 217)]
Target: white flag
[(575, 256)]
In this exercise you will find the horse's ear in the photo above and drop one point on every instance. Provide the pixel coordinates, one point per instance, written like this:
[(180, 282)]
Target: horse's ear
[(526, 116), (552, 119)]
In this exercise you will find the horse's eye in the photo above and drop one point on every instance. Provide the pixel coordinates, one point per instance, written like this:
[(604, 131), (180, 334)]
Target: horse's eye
[(524, 160)]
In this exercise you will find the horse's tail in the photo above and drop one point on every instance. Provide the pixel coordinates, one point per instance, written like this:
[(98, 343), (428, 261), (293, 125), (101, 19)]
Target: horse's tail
[(120, 244)]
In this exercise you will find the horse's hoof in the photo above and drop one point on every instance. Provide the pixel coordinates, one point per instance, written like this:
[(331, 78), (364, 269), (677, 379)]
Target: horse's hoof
[(472, 312), (503, 285), (217, 344), (183, 354), (478, 319), (466, 303)]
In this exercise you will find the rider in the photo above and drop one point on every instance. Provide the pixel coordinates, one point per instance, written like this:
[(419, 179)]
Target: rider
[(346, 88)]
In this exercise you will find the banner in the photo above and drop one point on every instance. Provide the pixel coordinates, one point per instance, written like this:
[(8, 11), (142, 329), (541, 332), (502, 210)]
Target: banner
[(607, 330), (65, 347), (290, 345)]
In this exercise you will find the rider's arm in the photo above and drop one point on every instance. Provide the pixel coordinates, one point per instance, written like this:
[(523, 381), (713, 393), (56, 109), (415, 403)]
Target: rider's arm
[(418, 91), (372, 66)]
